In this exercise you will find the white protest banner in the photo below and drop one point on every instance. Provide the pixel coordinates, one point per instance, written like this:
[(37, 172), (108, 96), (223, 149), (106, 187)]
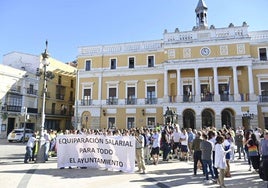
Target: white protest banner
[(97, 151)]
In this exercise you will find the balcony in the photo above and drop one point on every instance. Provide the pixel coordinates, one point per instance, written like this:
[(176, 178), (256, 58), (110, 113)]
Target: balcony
[(188, 98), (151, 100), (31, 91), (210, 98), (263, 98), (12, 108), (60, 96), (58, 112), (131, 101), (226, 97), (86, 102), (207, 97), (112, 101)]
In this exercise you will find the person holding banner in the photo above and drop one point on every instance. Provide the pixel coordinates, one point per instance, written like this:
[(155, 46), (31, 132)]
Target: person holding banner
[(140, 151)]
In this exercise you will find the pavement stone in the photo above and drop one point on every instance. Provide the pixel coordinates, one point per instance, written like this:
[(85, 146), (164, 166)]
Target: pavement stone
[(166, 174), (175, 173)]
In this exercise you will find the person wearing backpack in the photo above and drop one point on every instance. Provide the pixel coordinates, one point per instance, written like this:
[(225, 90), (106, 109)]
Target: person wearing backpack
[(253, 152)]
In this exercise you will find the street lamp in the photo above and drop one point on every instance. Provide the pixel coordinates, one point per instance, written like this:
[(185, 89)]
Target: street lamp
[(77, 117), (25, 109), (46, 75), (248, 116)]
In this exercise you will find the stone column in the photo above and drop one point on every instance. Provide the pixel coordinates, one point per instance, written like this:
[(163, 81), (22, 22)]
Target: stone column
[(166, 86), (179, 94), (216, 84), (197, 86), (236, 93), (252, 95), (100, 90)]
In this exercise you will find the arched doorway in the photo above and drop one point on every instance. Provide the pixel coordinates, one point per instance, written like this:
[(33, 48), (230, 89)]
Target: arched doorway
[(208, 118), (189, 119), (227, 118), (86, 119)]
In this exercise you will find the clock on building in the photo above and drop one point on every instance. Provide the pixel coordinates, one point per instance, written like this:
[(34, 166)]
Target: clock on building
[(205, 51)]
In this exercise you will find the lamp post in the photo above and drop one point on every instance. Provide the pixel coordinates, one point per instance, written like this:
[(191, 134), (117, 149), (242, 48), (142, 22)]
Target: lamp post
[(41, 150), (248, 116), (76, 116), (25, 109)]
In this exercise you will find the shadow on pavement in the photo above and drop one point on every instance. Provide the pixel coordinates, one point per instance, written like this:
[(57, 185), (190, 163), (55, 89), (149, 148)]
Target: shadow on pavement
[(179, 177)]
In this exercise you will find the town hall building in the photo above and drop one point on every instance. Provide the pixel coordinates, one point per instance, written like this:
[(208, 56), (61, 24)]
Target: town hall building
[(207, 76)]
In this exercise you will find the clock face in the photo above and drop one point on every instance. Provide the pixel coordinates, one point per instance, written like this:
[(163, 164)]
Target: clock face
[(205, 51)]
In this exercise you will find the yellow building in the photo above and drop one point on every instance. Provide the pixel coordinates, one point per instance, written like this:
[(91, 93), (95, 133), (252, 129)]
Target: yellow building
[(21, 89), (207, 76), (60, 95)]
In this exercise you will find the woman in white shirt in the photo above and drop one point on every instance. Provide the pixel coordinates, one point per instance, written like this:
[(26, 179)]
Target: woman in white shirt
[(220, 159), (228, 145), (184, 145)]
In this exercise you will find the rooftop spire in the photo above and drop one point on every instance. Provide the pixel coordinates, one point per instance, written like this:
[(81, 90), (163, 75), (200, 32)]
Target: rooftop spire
[(201, 15)]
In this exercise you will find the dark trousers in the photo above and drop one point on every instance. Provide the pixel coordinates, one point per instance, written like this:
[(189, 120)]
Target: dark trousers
[(33, 153), (255, 161), (197, 157), (166, 150), (264, 168)]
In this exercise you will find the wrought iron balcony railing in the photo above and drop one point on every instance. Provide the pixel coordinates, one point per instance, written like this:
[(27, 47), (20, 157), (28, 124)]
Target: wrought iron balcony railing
[(131, 101), (86, 102), (151, 100), (112, 101)]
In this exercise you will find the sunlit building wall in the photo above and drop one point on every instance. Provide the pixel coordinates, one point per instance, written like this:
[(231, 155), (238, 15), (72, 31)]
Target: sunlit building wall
[(207, 76)]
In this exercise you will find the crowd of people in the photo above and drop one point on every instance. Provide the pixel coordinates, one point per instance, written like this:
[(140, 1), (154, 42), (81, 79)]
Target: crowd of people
[(49, 145), (211, 150)]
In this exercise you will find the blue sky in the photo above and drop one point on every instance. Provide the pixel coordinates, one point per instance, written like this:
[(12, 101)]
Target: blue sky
[(68, 24)]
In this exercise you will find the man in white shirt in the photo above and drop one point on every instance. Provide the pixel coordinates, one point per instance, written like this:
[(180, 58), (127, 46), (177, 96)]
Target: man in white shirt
[(175, 139), (258, 133), (29, 148), (156, 137)]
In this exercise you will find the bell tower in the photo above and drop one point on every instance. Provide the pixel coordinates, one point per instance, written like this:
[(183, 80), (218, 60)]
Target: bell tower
[(201, 15)]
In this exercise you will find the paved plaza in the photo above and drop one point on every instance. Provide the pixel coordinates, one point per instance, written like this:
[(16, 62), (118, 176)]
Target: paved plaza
[(175, 173)]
